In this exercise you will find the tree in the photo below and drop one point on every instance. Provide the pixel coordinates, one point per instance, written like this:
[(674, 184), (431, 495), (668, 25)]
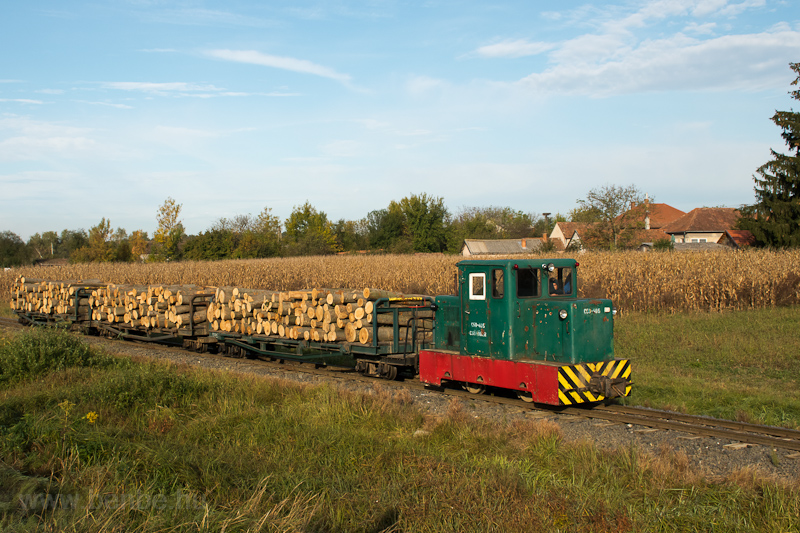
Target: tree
[(12, 250), (308, 232), (351, 235), (211, 245), (138, 241), (170, 231), (774, 220), (44, 245), (71, 241), (426, 222), (384, 228), (615, 209), (98, 248)]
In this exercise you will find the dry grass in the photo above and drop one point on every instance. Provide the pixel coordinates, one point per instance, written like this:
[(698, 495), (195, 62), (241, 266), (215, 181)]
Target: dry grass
[(671, 282)]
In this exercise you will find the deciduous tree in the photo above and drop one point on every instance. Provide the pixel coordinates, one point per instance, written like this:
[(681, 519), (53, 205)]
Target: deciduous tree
[(169, 233), (426, 222), (98, 248), (308, 232), (12, 250), (616, 209)]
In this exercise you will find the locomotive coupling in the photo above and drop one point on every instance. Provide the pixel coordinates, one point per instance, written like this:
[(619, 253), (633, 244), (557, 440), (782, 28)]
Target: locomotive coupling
[(607, 386)]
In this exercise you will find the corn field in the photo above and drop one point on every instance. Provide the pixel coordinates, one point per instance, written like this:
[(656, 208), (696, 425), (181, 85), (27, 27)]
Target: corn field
[(634, 281)]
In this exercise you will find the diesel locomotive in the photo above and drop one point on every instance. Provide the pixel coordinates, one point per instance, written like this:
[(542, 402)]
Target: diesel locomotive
[(514, 324)]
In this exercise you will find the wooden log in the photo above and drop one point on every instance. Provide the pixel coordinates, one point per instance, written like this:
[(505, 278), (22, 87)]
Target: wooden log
[(366, 335), (374, 294), (339, 297), (187, 318), (350, 332)]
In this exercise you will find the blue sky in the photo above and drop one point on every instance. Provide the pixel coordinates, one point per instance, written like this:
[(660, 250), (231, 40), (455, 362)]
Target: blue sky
[(109, 107)]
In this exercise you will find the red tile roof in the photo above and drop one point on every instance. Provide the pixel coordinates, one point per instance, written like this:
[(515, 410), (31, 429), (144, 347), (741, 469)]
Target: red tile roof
[(660, 214), (741, 237), (663, 214), (569, 228), (705, 219)]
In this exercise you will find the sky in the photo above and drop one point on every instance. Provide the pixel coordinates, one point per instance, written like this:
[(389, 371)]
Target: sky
[(108, 108)]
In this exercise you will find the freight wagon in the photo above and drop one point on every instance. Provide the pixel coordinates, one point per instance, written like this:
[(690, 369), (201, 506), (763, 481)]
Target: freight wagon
[(514, 324)]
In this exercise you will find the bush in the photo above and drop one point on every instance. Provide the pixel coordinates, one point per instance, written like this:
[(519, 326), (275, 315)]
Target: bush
[(42, 350)]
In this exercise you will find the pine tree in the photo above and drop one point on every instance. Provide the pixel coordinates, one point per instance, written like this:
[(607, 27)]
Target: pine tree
[(774, 220)]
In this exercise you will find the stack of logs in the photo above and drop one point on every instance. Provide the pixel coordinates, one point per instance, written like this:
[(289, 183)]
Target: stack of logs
[(148, 307), (319, 315)]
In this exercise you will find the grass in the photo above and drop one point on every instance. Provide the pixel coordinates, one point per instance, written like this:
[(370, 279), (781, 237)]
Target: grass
[(739, 365), (176, 449)]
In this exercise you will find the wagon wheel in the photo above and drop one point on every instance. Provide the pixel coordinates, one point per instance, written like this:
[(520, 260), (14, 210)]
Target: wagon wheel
[(391, 373), (474, 388), (525, 396)]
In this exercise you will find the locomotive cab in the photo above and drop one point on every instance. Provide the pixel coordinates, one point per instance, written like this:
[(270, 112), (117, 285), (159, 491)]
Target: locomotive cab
[(519, 324)]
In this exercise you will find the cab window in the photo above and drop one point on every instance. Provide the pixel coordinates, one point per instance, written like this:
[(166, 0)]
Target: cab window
[(498, 283), (559, 282), (477, 286), (527, 282)]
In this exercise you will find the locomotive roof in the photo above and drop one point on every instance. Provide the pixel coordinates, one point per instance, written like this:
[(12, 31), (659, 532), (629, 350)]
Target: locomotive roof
[(535, 263)]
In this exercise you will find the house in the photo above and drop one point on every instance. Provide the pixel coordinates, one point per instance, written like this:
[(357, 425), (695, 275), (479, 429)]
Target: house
[(501, 246), (737, 239), (565, 234), (702, 225), (656, 216)]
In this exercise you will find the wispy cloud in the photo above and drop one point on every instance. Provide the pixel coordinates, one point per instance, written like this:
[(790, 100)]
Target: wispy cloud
[(281, 62), (515, 48), (106, 104), (160, 88), (615, 58), (26, 139), (202, 17), (744, 62), (419, 85), (22, 101)]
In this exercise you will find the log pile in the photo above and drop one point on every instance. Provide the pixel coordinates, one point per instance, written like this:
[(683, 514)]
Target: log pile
[(318, 315), (150, 307)]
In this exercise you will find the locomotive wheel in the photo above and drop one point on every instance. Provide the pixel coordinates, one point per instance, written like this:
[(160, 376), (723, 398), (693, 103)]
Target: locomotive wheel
[(525, 396), (474, 388)]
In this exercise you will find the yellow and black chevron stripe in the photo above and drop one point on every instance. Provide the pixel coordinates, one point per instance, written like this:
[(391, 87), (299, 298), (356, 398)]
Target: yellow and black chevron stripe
[(573, 381)]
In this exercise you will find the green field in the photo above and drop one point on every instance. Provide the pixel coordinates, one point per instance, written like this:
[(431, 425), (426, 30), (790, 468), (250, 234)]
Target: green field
[(91, 443), (741, 365)]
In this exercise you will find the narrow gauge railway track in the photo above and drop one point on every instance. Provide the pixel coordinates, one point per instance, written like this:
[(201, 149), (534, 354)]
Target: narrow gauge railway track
[(772, 436)]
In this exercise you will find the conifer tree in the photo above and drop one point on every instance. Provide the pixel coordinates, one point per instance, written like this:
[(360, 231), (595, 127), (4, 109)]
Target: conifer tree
[(774, 220)]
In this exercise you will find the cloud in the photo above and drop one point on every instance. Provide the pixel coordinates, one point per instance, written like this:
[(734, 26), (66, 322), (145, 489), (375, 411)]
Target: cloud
[(700, 29), (517, 48), (604, 65), (21, 101), (286, 63), (26, 139), (173, 131), (107, 104), (343, 148), (419, 85), (201, 17), (158, 88)]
